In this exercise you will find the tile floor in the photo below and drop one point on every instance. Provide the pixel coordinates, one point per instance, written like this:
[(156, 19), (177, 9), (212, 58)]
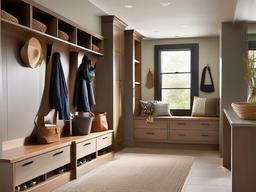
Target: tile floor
[(207, 174)]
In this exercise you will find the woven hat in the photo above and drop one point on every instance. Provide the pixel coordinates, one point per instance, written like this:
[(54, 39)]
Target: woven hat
[(31, 53)]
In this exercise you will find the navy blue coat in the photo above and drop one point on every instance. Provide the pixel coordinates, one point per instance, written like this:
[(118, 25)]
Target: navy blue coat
[(58, 93), (83, 98)]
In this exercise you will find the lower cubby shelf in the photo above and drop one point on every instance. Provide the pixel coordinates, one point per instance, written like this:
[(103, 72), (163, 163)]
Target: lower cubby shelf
[(88, 166), (35, 183)]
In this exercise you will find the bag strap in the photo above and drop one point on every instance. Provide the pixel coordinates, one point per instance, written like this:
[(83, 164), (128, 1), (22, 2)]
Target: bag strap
[(206, 68), (209, 71)]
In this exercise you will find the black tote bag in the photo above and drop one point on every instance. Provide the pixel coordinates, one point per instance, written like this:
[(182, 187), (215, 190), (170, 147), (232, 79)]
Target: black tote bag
[(208, 88)]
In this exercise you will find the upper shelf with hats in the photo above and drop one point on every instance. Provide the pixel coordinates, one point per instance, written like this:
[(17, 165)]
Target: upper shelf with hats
[(30, 17)]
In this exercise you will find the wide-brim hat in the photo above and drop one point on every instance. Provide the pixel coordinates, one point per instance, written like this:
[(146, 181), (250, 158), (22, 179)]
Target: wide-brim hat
[(31, 53)]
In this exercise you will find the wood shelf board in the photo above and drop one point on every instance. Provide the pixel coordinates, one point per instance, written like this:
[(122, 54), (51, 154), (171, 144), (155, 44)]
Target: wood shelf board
[(49, 38), (28, 151)]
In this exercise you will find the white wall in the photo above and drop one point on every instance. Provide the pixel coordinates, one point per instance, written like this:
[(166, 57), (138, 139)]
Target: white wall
[(208, 54), (80, 11)]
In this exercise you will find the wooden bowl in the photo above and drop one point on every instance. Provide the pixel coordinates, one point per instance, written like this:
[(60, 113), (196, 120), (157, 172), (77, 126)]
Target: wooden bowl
[(63, 35), (8, 16), (39, 26), (245, 110)]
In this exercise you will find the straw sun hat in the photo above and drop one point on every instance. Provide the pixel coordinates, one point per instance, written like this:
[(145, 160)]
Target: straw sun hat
[(31, 53)]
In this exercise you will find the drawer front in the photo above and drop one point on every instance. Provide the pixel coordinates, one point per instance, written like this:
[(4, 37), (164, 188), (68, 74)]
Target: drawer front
[(196, 125), (85, 148), (207, 125), (104, 141), (200, 137), (41, 164), (150, 134), (141, 123)]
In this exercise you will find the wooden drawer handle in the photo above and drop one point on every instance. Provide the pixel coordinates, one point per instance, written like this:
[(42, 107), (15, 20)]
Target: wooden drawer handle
[(182, 135), (150, 133), (104, 138), (207, 124), (87, 144), (28, 163), (58, 153), (181, 123), (204, 135)]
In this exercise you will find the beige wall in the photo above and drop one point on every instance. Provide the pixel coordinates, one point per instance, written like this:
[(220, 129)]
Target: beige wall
[(80, 11), (208, 54)]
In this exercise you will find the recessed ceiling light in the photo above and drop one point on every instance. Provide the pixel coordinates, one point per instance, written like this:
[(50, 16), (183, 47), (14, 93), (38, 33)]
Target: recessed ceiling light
[(128, 6), (165, 3)]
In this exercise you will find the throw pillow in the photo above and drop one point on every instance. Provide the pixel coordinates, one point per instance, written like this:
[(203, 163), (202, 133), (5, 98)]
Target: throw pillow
[(205, 107), (161, 109), (146, 108)]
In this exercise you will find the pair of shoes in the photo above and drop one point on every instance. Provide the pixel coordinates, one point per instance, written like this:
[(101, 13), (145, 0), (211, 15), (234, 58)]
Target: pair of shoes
[(23, 187), (17, 188), (32, 183), (79, 163)]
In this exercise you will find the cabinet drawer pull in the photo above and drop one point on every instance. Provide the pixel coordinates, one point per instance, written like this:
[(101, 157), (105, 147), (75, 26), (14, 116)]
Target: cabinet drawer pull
[(204, 135), (206, 124), (182, 135), (58, 153), (86, 144), (181, 123), (150, 133), (28, 163), (104, 137)]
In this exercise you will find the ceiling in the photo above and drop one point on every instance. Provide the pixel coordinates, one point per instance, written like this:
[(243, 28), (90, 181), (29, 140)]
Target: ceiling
[(176, 18)]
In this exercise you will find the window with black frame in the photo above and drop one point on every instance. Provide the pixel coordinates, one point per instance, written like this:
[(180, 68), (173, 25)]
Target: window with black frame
[(252, 49), (176, 70)]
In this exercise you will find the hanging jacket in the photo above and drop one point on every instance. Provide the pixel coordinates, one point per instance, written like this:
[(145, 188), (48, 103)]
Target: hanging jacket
[(83, 98), (58, 93)]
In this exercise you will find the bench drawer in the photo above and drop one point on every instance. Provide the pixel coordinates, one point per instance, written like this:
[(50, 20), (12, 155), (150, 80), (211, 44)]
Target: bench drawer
[(86, 148), (141, 123), (41, 164), (104, 141), (196, 125), (151, 134), (200, 137)]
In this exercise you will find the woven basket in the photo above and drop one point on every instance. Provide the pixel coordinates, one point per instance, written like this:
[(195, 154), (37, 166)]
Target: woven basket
[(95, 48), (39, 26), (63, 35), (8, 16), (245, 110)]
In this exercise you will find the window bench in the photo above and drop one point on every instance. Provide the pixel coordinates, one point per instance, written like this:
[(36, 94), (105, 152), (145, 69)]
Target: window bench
[(177, 129)]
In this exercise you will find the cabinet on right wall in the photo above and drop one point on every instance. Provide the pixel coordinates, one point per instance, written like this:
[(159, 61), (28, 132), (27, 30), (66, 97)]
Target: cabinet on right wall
[(133, 80)]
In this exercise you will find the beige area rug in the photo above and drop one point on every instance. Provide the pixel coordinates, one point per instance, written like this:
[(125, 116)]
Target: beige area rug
[(136, 170)]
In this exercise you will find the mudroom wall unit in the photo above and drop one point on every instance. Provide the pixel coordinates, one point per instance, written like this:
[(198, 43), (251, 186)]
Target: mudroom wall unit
[(21, 87)]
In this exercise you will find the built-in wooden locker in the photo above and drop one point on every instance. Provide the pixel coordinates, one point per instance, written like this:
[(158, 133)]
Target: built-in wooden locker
[(111, 77), (133, 80)]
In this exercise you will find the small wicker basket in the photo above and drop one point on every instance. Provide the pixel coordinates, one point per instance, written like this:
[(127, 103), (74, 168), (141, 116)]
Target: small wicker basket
[(8, 16), (95, 48), (39, 26), (63, 35), (245, 110)]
